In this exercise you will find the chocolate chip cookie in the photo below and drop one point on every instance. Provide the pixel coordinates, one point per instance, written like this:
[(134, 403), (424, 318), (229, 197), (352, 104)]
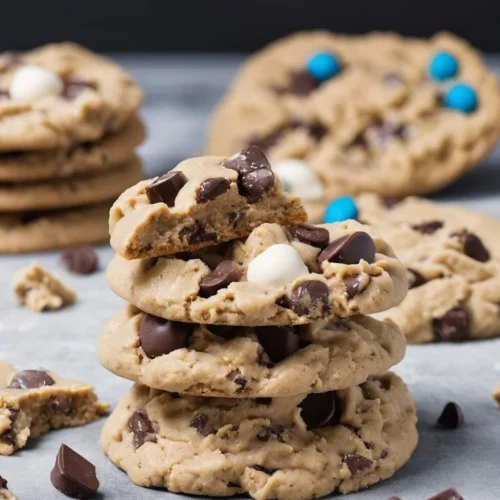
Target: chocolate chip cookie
[(453, 262), (201, 202), (377, 113), (276, 276)]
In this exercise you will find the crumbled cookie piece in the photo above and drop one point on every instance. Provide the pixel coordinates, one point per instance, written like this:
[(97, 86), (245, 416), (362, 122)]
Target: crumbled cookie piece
[(5, 494), (40, 290)]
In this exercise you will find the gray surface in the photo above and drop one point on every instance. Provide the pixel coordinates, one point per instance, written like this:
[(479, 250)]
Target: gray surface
[(180, 92)]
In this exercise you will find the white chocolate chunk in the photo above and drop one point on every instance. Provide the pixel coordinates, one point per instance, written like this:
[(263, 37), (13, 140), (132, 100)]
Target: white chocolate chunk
[(32, 82)]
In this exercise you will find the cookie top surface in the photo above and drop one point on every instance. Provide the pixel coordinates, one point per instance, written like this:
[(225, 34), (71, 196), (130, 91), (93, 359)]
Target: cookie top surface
[(62, 94), (219, 361), (381, 123), (201, 202), (277, 276), (453, 258), (290, 448)]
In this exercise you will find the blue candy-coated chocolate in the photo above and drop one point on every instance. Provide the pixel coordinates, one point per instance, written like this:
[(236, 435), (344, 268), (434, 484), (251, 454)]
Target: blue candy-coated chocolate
[(323, 66), (461, 97), (341, 209), (443, 66)]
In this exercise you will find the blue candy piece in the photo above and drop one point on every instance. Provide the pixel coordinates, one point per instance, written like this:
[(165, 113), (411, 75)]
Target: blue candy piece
[(461, 97), (341, 209), (323, 66), (443, 66)]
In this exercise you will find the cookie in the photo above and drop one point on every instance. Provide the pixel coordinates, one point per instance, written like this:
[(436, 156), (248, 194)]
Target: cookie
[(71, 192), (36, 231), (201, 202), (32, 402), (89, 157), (5, 494), (453, 261), (222, 361), (292, 448), (368, 113), (277, 276), (40, 290), (61, 95)]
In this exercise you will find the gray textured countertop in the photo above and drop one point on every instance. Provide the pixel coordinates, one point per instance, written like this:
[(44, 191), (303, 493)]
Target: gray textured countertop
[(180, 91)]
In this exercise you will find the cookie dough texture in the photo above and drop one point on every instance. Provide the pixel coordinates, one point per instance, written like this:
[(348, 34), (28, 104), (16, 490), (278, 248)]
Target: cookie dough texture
[(28, 413), (36, 231), (378, 126), (140, 228), (40, 290), (169, 287), (377, 422), (339, 354), (452, 275), (89, 157), (71, 192), (107, 101)]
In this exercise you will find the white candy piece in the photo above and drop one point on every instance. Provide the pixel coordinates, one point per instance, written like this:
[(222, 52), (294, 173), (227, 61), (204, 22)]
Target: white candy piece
[(299, 179), (278, 265), (32, 82)]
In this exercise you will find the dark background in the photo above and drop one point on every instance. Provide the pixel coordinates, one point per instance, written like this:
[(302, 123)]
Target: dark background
[(233, 25)]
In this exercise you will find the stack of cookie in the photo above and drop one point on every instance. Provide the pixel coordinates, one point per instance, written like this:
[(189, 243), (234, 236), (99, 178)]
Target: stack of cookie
[(68, 131), (256, 368)]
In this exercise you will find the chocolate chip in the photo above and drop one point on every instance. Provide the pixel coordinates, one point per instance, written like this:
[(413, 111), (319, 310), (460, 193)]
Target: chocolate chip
[(4, 95), (358, 142), (451, 417), (357, 463), (310, 235), (320, 409), (428, 227), (74, 87), (418, 279), (196, 234), (310, 298), (222, 276), (391, 201), (62, 406), (247, 160), (211, 188), (278, 342), (384, 453), (350, 249), (31, 379), (301, 83), (238, 379), (201, 424), (387, 130), (393, 79), (454, 326), (143, 429), (264, 469), (474, 248), (272, 432), (351, 284), (316, 130), (449, 494), (160, 336), (165, 189), (254, 184), (80, 260), (225, 331), (267, 141), (73, 475), (3, 483)]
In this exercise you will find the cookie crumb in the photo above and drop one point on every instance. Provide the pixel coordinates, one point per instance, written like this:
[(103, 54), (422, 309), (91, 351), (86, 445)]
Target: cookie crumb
[(496, 393), (40, 290)]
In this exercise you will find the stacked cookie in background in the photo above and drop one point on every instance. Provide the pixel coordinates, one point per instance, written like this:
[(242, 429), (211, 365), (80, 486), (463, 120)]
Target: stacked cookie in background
[(68, 133), (256, 368)]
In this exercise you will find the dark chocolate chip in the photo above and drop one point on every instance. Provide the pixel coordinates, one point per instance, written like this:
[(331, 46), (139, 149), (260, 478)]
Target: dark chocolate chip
[(310, 298), (80, 260), (418, 279), (238, 379), (3, 483), (358, 142), (316, 130), (222, 276), (278, 342), (263, 401), (201, 424), (451, 417), (350, 249), (449, 494), (160, 336), (454, 326), (196, 234), (272, 432), (31, 379), (165, 189), (351, 284), (474, 248), (234, 217), (311, 235), (247, 160), (73, 475), (264, 469), (393, 79), (320, 409), (225, 331), (143, 429), (256, 183), (62, 406), (357, 463), (74, 87), (384, 453), (267, 141), (428, 227), (211, 188), (391, 201), (301, 83)]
